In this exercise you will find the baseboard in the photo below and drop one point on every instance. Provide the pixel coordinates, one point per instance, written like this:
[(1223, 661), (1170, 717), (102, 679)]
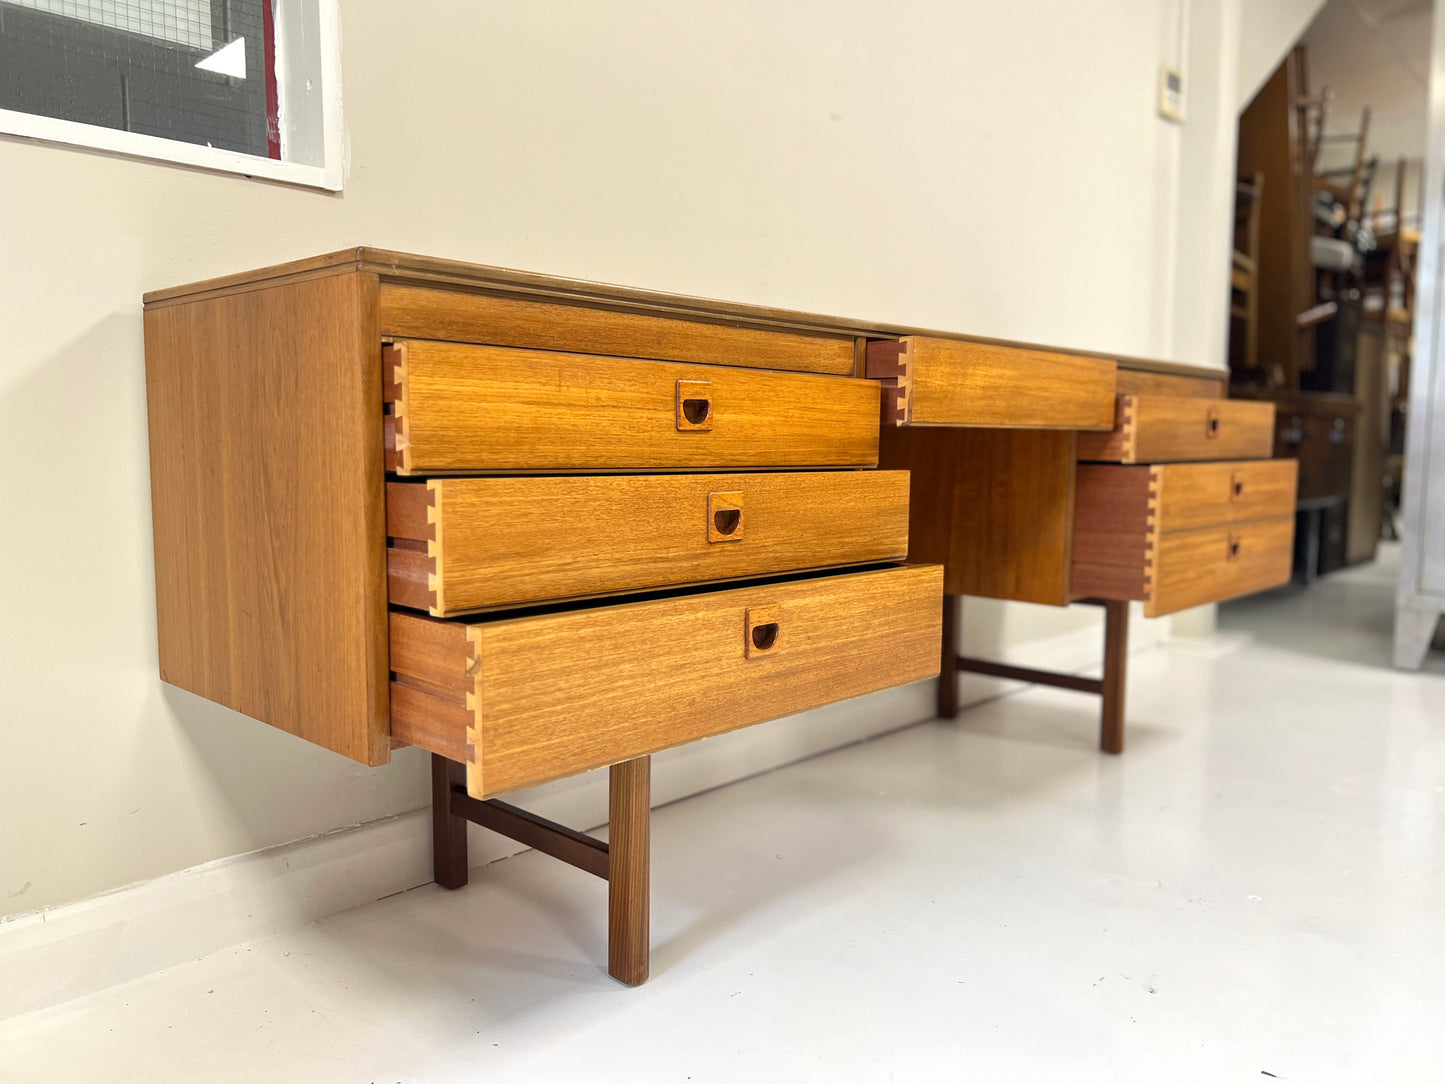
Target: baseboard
[(65, 952)]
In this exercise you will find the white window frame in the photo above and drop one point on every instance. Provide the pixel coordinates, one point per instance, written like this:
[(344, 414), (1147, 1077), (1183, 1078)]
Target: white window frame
[(329, 176)]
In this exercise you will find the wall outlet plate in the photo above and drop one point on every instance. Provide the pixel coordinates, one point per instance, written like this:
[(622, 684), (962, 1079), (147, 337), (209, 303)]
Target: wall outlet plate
[(1171, 94)]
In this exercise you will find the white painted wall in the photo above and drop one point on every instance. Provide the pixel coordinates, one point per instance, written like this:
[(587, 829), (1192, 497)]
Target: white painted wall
[(1268, 30), (994, 168)]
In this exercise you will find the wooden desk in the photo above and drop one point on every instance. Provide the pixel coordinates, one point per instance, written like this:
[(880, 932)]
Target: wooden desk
[(538, 526)]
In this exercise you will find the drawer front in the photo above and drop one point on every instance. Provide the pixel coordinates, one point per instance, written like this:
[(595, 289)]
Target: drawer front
[(457, 408), (530, 699), (419, 312), (1324, 446), (1144, 382), (1158, 428), (931, 381), (1192, 495), (1165, 533), (461, 545), (1211, 564)]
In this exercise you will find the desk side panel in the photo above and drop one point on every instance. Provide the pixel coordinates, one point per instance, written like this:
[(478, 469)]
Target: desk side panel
[(995, 507), (267, 504)]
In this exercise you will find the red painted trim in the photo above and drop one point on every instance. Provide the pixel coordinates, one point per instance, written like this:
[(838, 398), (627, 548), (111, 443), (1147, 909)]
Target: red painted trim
[(273, 97)]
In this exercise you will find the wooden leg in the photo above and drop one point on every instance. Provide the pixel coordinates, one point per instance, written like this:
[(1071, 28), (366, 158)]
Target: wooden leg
[(448, 831), (628, 845), (1116, 655), (948, 671)]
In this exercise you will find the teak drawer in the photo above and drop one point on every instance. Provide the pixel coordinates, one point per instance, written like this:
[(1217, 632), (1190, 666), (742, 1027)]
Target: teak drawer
[(468, 544), (1159, 428), (930, 381), (524, 700), (458, 408), (1180, 535), (422, 312)]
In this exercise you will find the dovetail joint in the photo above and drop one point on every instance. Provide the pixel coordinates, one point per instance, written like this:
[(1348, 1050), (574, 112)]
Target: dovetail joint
[(475, 785), (1151, 531), (434, 546)]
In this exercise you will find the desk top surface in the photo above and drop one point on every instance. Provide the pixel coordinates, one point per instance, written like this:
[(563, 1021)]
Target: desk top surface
[(422, 270)]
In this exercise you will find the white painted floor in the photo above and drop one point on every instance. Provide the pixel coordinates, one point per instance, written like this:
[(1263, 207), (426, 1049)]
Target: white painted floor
[(1255, 890)]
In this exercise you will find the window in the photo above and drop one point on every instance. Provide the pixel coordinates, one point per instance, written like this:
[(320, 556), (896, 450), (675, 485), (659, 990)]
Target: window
[(247, 86)]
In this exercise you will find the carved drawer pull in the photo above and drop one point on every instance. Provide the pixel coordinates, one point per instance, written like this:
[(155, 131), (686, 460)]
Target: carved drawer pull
[(724, 517), (694, 405), (764, 630), (1211, 423)]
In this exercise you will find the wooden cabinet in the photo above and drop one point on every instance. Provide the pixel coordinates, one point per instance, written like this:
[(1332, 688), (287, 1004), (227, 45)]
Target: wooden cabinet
[(1024, 515), (340, 442), (1318, 431), (1017, 508), (280, 400)]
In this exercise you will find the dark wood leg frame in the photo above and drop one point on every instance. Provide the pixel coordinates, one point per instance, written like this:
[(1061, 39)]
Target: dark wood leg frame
[(948, 670), (623, 864), (1110, 688)]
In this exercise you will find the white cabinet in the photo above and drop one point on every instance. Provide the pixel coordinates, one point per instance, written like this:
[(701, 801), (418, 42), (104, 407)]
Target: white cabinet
[(1421, 598)]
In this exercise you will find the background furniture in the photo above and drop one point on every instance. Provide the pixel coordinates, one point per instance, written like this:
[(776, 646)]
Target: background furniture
[(1244, 275), (1318, 430), (1328, 289), (1421, 598)]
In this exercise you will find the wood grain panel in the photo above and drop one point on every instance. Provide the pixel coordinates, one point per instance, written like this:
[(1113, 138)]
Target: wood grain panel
[(494, 542), (266, 498), (1152, 428), (995, 506), (561, 693), (1206, 494), (629, 847), (409, 269), (413, 312), (1127, 519), (1118, 582), (1113, 516), (952, 382), (1217, 563), (1141, 382), (480, 408)]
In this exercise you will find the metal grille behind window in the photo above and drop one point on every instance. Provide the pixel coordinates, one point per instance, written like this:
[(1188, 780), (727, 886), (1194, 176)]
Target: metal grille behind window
[(132, 65)]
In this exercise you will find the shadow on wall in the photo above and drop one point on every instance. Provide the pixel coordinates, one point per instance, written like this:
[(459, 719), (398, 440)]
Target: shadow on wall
[(109, 776)]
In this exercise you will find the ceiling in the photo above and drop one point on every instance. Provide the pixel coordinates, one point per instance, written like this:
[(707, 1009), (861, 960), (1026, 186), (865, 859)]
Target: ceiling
[(1385, 66)]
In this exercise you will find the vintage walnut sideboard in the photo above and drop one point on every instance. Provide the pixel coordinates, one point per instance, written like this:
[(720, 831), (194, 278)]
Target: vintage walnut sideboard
[(538, 526)]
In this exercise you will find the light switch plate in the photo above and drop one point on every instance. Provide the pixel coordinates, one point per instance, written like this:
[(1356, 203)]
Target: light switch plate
[(1171, 94)]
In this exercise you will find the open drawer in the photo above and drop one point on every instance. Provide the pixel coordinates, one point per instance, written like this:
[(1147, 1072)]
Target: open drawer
[(526, 699), (461, 545), (928, 381), (1161, 428), (1182, 534), (457, 408)]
